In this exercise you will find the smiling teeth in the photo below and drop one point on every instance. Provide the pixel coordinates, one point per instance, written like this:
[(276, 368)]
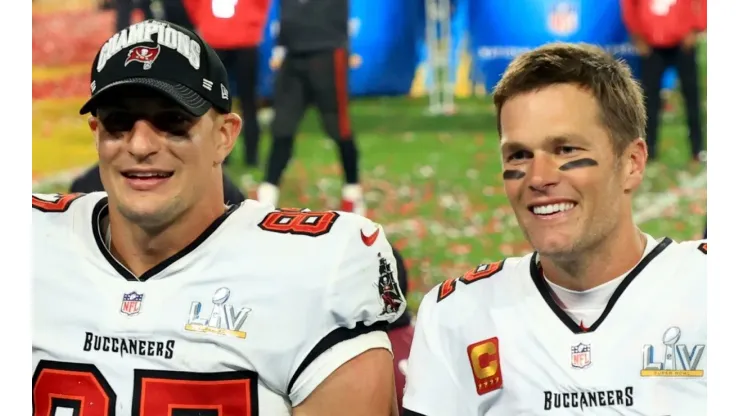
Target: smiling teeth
[(553, 208), (148, 175)]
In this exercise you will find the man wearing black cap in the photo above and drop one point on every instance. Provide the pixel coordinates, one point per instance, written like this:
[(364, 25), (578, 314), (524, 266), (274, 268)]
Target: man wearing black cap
[(156, 298)]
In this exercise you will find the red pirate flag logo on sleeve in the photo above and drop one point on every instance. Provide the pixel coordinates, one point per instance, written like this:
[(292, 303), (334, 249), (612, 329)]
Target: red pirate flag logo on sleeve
[(388, 290)]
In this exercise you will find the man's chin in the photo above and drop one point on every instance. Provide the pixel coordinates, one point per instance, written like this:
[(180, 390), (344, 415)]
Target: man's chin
[(553, 246), (152, 213)]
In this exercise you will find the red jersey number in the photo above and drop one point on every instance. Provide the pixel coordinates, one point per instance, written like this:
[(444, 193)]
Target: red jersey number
[(83, 389), (293, 221), (53, 202)]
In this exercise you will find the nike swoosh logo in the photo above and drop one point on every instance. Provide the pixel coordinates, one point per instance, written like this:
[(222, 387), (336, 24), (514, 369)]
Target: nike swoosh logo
[(369, 240)]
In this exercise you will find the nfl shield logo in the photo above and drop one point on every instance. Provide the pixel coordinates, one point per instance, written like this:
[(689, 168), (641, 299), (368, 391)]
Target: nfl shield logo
[(562, 19), (580, 355), (131, 304)]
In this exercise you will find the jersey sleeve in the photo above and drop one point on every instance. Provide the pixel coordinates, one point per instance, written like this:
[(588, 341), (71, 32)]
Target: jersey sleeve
[(432, 388), (362, 296)]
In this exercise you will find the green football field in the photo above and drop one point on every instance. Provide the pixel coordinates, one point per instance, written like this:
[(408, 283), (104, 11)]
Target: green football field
[(433, 182)]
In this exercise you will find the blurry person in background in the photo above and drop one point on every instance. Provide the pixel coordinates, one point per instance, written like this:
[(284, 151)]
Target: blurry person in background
[(401, 332), (665, 34), (89, 181), (315, 70), (125, 8), (174, 12), (235, 31)]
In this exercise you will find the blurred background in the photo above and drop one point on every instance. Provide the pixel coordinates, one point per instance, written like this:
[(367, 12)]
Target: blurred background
[(421, 77)]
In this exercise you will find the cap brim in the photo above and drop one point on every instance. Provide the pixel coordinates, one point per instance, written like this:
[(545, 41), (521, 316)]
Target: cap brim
[(190, 100)]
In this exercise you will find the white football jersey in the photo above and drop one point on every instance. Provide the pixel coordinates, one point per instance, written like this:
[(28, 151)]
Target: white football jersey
[(494, 342), (248, 319)]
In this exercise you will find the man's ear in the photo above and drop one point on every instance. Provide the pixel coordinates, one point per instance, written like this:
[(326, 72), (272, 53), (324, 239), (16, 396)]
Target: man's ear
[(634, 160), (229, 126), (94, 125)]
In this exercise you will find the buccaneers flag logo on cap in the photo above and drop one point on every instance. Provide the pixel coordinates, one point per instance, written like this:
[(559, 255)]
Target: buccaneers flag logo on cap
[(144, 54)]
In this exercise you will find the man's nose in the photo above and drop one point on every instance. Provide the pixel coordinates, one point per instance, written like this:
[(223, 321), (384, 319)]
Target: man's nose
[(144, 140), (544, 173)]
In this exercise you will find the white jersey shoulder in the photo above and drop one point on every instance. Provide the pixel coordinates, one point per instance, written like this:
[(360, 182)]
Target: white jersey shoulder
[(60, 218), (490, 341), (345, 254), (445, 314), (63, 208), (495, 277), (338, 272), (692, 255), (268, 299)]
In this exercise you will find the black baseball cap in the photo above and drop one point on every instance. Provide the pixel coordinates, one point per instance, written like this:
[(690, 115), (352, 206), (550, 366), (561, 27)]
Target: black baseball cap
[(165, 57)]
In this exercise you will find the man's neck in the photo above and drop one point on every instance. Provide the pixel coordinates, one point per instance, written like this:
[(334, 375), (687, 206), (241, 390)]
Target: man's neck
[(140, 250), (614, 257)]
